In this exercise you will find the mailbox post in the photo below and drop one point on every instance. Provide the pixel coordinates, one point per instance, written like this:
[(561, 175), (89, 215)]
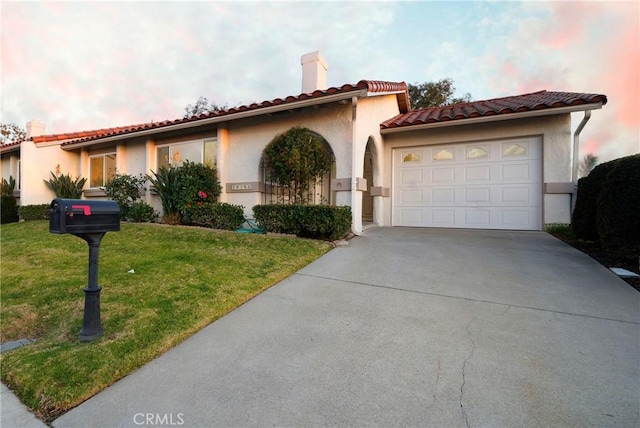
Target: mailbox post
[(89, 220)]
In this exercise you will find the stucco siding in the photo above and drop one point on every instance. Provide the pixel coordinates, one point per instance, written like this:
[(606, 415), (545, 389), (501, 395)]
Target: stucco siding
[(242, 142), (370, 113), (37, 163)]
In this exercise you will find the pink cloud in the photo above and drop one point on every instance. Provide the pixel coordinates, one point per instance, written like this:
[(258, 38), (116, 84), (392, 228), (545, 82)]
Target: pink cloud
[(622, 75), (568, 22)]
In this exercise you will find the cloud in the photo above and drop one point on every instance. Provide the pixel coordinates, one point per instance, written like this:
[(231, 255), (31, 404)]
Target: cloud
[(86, 64), (578, 47)]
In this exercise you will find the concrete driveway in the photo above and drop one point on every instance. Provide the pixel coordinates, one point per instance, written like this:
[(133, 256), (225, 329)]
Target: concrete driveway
[(406, 327)]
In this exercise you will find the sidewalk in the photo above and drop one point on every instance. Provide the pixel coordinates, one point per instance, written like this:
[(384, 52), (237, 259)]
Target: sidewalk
[(14, 414)]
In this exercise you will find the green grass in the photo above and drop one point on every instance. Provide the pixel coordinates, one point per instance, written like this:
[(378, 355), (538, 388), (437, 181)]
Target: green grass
[(185, 278), (561, 230)]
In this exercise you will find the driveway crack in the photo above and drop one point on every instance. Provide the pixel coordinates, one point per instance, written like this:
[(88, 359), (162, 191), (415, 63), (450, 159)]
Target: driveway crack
[(464, 371)]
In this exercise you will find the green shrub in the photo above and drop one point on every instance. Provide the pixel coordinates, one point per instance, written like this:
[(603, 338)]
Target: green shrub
[(296, 159), (7, 187), (8, 203), (125, 190), (34, 212), (196, 183), (217, 215), (141, 212), (8, 210), (164, 183), (66, 187), (585, 212), (183, 187), (307, 221), (618, 218)]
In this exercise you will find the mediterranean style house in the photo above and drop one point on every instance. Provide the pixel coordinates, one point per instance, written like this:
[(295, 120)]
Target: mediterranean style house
[(504, 163)]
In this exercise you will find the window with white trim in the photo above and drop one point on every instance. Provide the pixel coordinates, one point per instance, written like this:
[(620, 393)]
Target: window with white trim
[(102, 169), (198, 151)]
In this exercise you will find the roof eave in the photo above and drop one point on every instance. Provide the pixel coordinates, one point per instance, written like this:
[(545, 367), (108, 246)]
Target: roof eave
[(494, 118), (222, 118), (10, 148)]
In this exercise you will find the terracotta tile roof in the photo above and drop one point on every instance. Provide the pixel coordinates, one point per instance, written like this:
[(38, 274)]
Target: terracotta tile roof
[(541, 100), (96, 133), (371, 86)]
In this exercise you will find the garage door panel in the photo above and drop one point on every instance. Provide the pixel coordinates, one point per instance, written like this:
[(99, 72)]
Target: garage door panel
[(515, 195), (412, 177), (442, 217), (477, 195), (515, 172), (443, 196), (477, 173), (445, 175), (411, 196), (494, 185)]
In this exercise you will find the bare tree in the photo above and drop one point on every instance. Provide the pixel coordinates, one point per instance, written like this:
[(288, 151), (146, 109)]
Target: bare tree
[(11, 133), (203, 105)]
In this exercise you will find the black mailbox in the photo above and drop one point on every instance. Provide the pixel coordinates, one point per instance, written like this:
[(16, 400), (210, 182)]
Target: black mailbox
[(82, 216), (89, 220)]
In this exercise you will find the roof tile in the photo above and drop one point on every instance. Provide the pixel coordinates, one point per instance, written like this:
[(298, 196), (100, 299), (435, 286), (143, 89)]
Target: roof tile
[(540, 100), (372, 86)]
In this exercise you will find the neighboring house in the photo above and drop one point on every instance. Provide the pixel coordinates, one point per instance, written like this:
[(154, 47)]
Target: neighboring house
[(505, 163)]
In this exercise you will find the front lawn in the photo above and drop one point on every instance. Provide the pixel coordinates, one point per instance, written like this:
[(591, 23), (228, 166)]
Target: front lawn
[(161, 284)]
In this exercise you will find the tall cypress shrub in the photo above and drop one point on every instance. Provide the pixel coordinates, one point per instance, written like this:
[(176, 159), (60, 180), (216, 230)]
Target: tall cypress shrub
[(585, 212), (618, 217)]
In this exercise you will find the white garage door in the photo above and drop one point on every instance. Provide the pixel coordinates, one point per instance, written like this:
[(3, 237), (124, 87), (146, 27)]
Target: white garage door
[(484, 185)]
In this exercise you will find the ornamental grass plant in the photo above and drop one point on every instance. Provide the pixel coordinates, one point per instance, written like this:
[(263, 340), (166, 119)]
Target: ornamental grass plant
[(161, 284)]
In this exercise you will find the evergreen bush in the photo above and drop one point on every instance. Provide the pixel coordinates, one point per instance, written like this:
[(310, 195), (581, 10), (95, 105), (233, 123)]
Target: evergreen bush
[(307, 221), (141, 212), (217, 215), (8, 210), (618, 215), (8, 203), (34, 212), (585, 212)]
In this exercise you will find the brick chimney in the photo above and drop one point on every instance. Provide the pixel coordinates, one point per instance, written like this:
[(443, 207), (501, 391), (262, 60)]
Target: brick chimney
[(35, 128), (314, 72)]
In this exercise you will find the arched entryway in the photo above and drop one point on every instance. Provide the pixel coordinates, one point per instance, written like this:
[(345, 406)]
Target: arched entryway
[(368, 169)]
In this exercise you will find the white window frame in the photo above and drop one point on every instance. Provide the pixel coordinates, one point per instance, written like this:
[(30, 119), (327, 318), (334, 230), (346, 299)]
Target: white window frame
[(173, 158), (105, 173)]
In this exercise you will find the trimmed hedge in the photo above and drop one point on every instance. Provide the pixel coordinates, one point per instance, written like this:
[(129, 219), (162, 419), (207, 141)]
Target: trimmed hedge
[(618, 212), (307, 221), (217, 215), (8, 210), (34, 212)]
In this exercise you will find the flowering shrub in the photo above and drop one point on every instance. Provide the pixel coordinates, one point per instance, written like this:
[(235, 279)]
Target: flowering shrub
[(184, 187)]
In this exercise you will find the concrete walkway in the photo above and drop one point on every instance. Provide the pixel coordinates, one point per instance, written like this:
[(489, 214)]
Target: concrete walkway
[(406, 327)]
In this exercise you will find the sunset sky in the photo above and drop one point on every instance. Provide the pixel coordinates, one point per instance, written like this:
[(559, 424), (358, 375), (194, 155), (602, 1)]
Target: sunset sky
[(88, 65)]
